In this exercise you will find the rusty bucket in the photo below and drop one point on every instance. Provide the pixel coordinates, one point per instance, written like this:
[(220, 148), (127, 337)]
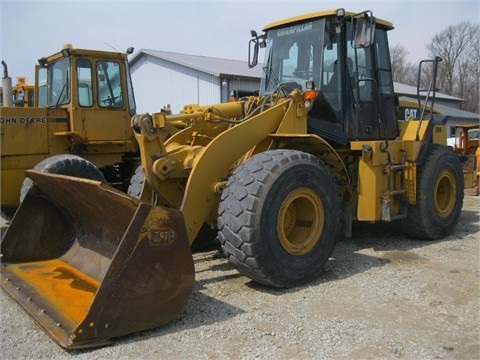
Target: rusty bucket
[(90, 263)]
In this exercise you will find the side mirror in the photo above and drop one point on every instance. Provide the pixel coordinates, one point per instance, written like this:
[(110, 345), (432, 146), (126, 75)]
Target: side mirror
[(256, 42), (364, 29)]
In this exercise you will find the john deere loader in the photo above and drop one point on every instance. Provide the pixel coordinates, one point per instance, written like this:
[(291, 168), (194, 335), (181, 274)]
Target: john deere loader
[(278, 176), (84, 102)]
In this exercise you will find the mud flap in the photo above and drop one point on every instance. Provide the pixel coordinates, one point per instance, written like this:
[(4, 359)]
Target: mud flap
[(90, 263)]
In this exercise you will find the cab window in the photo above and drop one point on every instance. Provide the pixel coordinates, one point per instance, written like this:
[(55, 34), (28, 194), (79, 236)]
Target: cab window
[(58, 82), (84, 81), (383, 60), (109, 84)]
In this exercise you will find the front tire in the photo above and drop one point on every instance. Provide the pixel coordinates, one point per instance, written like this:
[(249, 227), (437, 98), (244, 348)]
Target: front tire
[(279, 217), (440, 192)]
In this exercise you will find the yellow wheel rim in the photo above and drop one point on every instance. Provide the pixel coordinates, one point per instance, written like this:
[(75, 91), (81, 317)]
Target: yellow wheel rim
[(445, 194), (300, 221)]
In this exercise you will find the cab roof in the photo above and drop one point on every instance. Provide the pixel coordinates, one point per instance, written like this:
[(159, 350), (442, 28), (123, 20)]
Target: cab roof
[(83, 52), (319, 14)]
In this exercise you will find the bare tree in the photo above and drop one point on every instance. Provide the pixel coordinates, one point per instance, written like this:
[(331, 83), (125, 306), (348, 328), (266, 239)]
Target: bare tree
[(458, 46), (402, 71)]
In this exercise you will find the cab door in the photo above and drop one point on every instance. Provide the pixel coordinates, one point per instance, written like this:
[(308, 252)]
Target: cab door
[(102, 100), (373, 113)]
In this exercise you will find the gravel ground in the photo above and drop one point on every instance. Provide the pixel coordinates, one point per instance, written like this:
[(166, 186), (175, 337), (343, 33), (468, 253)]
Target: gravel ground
[(381, 296)]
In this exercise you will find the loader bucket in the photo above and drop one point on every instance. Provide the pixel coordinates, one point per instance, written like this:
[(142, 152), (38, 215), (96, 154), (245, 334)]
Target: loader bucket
[(89, 263)]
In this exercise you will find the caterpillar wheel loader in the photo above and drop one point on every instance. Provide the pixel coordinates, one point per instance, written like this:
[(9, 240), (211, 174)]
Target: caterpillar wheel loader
[(279, 176), (84, 102)]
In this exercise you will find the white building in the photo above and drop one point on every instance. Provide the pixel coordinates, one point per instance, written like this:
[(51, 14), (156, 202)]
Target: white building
[(161, 78)]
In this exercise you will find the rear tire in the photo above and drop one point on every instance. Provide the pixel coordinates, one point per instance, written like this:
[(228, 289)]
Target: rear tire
[(65, 164), (279, 217), (440, 192)]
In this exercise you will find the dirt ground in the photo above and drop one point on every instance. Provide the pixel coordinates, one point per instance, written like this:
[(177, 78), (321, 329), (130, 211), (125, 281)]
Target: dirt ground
[(381, 296)]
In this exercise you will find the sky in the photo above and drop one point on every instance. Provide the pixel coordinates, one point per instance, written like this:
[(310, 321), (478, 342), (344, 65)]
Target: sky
[(37, 28)]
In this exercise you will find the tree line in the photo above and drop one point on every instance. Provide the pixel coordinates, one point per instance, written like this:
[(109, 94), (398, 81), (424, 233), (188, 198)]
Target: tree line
[(458, 72)]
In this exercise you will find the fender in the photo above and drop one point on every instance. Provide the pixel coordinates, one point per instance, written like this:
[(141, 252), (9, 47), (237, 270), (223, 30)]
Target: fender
[(213, 162), (314, 144)]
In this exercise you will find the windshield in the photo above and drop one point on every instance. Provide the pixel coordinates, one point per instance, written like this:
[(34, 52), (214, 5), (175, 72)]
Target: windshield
[(473, 134), (58, 79), (294, 55)]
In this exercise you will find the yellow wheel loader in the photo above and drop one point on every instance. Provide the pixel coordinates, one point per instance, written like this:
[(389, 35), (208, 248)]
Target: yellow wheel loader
[(279, 176), (84, 103)]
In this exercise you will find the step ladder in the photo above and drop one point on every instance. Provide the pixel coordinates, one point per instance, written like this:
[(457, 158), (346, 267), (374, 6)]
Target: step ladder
[(395, 195)]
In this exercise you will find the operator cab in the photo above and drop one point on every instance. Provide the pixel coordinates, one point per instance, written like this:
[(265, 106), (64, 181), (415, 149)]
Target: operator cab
[(92, 92), (345, 58), (86, 79)]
